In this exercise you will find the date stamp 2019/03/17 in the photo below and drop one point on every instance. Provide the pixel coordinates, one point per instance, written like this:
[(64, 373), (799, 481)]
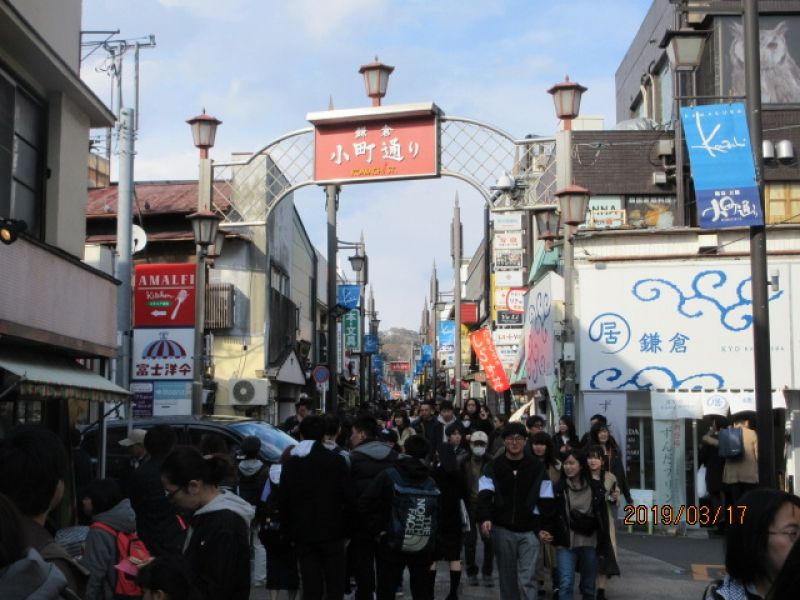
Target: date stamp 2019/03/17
[(666, 514)]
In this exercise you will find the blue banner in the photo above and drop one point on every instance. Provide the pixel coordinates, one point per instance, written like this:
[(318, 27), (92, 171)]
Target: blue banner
[(419, 367), (370, 343), (377, 363), (348, 296), (722, 164), (446, 333), (427, 353)]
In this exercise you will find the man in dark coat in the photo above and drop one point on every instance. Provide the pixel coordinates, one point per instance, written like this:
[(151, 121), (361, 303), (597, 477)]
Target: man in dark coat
[(368, 458), (429, 427), (316, 507), (301, 409), (508, 493), (157, 523)]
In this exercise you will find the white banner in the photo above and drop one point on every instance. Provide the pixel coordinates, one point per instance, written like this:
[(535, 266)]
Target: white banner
[(509, 279), (663, 326), (676, 405), (669, 444), (614, 407), (539, 339), (507, 337)]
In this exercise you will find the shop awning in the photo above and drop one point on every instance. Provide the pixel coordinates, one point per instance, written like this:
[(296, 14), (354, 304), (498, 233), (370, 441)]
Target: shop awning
[(49, 375)]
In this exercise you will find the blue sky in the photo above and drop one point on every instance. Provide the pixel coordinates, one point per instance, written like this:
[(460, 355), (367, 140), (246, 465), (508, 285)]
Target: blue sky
[(261, 66)]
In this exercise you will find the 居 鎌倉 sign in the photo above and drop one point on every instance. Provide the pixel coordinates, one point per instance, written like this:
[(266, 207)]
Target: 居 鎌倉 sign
[(722, 163), (378, 143)]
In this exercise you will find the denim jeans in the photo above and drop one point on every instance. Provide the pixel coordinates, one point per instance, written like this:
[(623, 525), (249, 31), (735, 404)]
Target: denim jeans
[(567, 558), (516, 554)]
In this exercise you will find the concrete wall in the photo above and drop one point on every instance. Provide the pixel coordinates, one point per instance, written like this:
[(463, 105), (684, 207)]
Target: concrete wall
[(58, 22)]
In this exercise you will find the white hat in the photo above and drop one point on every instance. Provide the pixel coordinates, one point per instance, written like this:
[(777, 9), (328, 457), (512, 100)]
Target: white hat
[(479, 436), (136, 436)]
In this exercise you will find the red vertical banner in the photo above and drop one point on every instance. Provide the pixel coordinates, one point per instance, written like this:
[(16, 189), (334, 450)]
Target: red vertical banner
[(483, 344)]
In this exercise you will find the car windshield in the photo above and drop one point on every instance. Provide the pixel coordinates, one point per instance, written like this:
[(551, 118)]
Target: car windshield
[(273, 440)]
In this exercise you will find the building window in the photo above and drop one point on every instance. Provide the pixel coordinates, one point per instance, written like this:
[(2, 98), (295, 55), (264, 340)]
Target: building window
[(279, 281), (665, 99), (783, 203), (22, 151)]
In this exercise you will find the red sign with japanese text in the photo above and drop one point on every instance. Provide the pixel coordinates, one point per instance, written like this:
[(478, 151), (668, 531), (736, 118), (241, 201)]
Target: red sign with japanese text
[(483, 345), (469, 313), (399, 366), (164, 295), (367, 150)]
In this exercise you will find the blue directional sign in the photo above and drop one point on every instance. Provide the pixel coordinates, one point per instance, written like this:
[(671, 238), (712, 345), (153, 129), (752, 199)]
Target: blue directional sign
[(722, 163)]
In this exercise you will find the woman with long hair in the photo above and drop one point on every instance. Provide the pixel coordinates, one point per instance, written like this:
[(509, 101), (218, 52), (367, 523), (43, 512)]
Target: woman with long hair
[(541, 445), (575, 520), (217, 544), (566, 436), (607, 567), (469, 417), (402, 424), (484, 420), (600, 436)]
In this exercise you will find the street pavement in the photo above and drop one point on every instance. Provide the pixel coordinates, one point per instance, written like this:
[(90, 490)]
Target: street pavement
[(655, 567)]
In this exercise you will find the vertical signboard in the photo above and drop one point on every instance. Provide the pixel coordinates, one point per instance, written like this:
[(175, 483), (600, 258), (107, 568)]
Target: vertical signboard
[(351, 325), (723, 170), (163, 339), (484, 348)]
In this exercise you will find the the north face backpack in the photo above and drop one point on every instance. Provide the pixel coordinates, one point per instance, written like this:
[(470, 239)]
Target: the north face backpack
[(131, 552), (414, 515)]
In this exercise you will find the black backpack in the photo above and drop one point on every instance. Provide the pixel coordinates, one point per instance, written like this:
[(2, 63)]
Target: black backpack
[(414, 516)]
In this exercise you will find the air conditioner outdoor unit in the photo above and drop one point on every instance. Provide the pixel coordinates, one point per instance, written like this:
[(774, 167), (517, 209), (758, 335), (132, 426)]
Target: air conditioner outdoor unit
[(249, 392)]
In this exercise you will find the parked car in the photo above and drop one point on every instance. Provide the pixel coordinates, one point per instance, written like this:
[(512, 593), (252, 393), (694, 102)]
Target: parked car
[(189, 431)]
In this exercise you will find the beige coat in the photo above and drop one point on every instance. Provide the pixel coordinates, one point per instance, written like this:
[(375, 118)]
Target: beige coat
[(745, 468)]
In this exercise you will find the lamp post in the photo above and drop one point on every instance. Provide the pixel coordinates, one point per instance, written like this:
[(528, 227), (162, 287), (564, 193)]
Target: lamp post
[(458, 250), (572, 201), (359, 264), (684, 51), (204, 132), (376, 79), (204, 226), (434, 327)]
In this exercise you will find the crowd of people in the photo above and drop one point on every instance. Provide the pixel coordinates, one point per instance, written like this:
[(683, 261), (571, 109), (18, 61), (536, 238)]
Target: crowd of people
[(347, 509)]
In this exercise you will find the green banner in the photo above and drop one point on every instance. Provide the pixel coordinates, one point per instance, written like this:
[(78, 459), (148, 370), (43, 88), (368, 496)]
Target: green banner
[(351, 330)]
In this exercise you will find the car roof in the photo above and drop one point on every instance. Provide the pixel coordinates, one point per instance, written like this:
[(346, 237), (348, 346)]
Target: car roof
[(219, 420)]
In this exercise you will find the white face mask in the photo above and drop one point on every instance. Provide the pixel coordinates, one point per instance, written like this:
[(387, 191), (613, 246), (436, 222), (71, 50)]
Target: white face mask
[(478, 450), (466, 422)]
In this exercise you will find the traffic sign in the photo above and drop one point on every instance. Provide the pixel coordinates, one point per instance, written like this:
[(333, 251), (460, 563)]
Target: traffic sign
[(321, 374)]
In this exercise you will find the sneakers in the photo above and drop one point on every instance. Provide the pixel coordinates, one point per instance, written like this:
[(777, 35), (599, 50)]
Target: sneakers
[(472, 580), (488, 581)]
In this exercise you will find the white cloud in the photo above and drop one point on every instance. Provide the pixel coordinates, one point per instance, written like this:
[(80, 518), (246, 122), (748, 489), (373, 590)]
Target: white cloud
[(230, 10), (323, 19)]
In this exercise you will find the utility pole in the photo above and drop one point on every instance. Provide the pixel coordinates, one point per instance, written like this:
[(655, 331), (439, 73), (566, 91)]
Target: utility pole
[(332, 201), (457, 252), (758, 258), (124, 244), (434, 326)]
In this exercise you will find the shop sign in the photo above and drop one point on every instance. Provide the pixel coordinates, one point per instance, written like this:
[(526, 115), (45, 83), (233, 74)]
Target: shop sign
[(538, 332), (399, 367), (507, 240), (351, 326), (509, 278), (484, 348), (470, 313), (515, 300), (500, 296), (142, 399), (508, 259), (508, 354), (163, 354), (507, 221), (655, 212), (607, 219), (164, 295), (507, 336), (688, 326), (375, 145), (505, 317)]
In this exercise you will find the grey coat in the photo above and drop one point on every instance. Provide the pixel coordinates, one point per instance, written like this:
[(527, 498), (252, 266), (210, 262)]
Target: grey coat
[(100, 554), (31, 578)]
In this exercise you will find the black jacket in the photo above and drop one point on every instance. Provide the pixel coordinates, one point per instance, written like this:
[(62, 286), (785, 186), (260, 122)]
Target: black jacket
[(451, 482), (507, 498), (554, 517), (367, 461), (157, 522), (432, 430), (572, 442), (218, 548), (316, 499)]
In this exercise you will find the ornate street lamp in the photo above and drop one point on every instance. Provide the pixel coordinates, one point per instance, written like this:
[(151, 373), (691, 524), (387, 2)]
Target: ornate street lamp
[(215, 250), (546, 216), (567, 100), (205, 225), (684, 47), (572, 201), (204, 130), (357, 262), (376, 79)]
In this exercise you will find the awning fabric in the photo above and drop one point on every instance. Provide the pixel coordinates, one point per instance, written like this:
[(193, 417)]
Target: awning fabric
[(52, 376)]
